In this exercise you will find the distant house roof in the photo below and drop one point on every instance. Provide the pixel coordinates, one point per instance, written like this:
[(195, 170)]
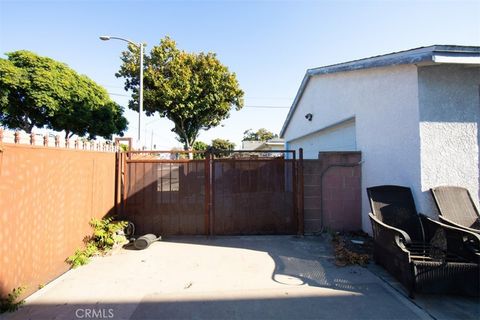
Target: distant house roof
[(420, 56), (259, 145), (271, 143)]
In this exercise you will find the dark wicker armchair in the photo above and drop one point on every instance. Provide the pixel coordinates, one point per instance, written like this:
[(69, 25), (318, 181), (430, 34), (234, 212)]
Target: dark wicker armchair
[(456, 207), (423, 254)]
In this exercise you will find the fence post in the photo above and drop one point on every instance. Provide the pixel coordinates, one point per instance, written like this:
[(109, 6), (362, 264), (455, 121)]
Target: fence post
[(16, 137), (207, 194), (1, 135), (301, 221), (32, 139), (295, 185), (118, 173), (57, 141), (45, 140)]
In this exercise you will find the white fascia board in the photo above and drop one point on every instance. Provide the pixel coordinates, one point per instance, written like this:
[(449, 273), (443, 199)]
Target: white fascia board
[(441, 58), (298, 96)]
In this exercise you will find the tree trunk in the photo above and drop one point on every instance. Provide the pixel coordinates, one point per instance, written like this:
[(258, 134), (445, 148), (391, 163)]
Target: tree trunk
[(187, 147), (27, 127)]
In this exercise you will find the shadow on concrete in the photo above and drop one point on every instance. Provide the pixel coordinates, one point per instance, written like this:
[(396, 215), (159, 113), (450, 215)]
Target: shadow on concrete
[(291, 257), (317, 253), (295, 307), (438, 306), (314, 289)]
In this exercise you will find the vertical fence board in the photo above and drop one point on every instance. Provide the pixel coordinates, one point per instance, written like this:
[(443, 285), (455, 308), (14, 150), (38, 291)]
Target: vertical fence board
[(213, 196)]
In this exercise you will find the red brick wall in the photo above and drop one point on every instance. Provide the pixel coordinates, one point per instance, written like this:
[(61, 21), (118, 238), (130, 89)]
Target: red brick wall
[(332, 194)]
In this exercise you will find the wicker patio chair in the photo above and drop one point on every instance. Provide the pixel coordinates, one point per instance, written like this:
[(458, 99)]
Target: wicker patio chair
[(456, 207), (423, 254)]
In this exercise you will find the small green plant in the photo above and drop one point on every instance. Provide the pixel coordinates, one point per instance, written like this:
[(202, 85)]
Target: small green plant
[(105, 233), (82, 256), (105, 236), (10, 303), (123, 147)]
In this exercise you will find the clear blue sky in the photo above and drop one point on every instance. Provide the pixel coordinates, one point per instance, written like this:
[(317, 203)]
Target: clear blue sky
[(269, 45)]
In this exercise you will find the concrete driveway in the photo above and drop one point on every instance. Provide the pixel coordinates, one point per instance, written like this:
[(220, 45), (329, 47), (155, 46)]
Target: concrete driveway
[(257, 277)]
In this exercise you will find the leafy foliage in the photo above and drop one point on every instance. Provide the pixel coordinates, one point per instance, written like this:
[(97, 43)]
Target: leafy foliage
[(262, 134), (82, 256), (123, 147), (10, 303), (195, 91), (38, 91), (105, 236), (219, 145), (199, 146), (105, 232)]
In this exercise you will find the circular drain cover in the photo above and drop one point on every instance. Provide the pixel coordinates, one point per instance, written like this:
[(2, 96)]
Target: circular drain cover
[(290, 280)]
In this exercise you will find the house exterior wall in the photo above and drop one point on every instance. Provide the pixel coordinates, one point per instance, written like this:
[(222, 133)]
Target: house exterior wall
[(269, 147), (449, 135), (384, 103), (251, 145), (337, 138)]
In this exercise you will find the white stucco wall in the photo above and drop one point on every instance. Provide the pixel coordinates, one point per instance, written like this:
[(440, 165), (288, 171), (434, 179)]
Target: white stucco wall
[(449, 118), (337, 138), (251, 145), (384, 102)]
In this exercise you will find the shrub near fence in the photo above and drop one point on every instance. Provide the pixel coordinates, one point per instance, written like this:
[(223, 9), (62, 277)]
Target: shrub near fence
[(47, 198)]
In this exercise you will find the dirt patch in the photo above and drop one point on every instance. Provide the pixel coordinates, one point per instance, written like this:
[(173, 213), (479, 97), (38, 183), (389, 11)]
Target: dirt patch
[(352, 248)]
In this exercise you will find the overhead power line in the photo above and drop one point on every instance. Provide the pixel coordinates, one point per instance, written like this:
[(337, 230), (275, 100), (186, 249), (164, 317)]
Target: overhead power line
[(270, 98), (268, 107), (247, 106), (127, 95), (119, 94)]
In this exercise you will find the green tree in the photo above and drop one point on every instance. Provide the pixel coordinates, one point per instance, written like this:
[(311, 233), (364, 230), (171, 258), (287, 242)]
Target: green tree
[(38, 91), (219, 145), (193, 90), (199, 146), (262, 134)]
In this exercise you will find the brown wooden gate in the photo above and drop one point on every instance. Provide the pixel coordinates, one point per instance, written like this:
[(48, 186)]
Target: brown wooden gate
[(211, 195)]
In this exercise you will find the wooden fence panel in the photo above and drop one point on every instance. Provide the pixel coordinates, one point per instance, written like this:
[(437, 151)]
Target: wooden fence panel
[(253, 197), (210, 196), (47, 198), (166, 197)]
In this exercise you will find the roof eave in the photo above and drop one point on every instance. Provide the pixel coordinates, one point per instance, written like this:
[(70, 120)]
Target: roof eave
[(419, 56), (294, 104)]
